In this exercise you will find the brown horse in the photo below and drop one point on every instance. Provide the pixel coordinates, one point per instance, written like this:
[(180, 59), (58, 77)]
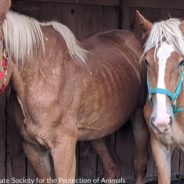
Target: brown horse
[(69, 91), (164, 54)]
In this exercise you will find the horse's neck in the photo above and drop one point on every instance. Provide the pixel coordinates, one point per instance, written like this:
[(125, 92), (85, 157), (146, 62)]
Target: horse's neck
[(51, 66), (16, 81)]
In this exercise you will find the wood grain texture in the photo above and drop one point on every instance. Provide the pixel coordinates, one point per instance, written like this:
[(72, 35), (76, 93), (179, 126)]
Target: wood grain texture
[(16, 163), (85, 17), (2, 135), (160, 4), (124, 150), (88, 161), (80, 2)]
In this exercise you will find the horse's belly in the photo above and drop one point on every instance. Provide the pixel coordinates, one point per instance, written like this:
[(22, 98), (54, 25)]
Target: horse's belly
[(90, 132), (109, 96), (100, 125)]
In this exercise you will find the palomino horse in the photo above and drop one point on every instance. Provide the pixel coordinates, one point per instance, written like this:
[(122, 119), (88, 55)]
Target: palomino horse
[(164, 110), (68, 93)]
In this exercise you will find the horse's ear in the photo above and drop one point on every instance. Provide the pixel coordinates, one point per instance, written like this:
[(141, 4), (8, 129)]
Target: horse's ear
[(4, 7), (143, 25)]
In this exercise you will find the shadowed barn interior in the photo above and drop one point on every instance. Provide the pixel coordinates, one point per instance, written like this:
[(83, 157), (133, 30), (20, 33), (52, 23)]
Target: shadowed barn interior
[(85, 17)]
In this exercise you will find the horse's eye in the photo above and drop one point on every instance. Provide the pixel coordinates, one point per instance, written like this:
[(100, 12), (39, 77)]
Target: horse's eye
[(146, 62), (181, 63)]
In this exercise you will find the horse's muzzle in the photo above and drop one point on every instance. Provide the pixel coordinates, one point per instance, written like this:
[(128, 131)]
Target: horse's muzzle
[(161, 125)]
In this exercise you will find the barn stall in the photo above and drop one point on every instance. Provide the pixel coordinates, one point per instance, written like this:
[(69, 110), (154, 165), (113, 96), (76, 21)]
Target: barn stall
[(85, 17)]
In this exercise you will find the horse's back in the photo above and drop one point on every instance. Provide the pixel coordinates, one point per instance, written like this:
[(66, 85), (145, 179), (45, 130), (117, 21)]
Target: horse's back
[(111, 84), (114, 38)]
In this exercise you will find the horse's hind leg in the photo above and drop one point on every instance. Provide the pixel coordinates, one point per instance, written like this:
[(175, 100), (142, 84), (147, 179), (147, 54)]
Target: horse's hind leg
[(39, 161), (111, 169), (141, 136)]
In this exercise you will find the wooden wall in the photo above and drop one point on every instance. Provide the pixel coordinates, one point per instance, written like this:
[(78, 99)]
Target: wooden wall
[(154, 10), (85, 17), (82, 18)]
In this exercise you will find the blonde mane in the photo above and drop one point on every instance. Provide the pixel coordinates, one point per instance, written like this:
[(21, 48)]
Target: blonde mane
[(24, 38), (168, 31)]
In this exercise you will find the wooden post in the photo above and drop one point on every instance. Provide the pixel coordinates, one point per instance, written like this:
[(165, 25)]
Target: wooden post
[(125, 14), (2, 135)]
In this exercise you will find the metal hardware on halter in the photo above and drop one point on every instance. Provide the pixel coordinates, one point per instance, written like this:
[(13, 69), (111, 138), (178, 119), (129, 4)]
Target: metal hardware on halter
[(171, 95)]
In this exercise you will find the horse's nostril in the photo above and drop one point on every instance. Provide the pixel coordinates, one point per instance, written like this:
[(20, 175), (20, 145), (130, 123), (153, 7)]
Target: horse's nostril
[(160, 125), (153, 121), (170, 122)]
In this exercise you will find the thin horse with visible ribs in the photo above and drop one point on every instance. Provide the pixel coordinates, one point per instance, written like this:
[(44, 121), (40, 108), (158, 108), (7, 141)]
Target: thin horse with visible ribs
[(65, 91), (164, 110)]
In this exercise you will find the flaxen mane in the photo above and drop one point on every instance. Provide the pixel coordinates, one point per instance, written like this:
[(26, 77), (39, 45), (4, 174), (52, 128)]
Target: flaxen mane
[(25, 40), (168, 31)]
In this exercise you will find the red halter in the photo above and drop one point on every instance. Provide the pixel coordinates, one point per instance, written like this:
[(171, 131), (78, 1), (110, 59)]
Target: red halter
[(3, 72)]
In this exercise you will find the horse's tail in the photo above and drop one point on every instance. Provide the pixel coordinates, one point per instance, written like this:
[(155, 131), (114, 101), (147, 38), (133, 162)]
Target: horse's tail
[(77, 52)]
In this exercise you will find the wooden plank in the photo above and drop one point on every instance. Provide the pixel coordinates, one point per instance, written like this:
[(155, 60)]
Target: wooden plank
[(178, 4), (16, 165), (88, 161), (151, 174), (69, 16), (99, 171), (89, 20), (110, 18), (97, 2), (125, 14), (124, 150), (2, 135), (80, 2), (44, 9), (28, 8), (175, 169), (182, 165), (77, 175)]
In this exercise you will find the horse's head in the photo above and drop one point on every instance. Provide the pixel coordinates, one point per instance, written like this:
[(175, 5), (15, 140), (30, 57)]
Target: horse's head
[(4, 7), (164, 55)]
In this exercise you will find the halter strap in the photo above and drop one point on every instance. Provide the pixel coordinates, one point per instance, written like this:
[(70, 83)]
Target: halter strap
[(171, 95)]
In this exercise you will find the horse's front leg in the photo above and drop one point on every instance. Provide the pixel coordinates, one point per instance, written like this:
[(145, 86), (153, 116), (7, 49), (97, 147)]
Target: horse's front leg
[(141, 136), (64, 156), (39, 160), (162, 158)]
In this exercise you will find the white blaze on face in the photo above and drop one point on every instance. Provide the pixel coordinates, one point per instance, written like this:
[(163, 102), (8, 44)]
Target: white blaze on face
[(163, 53)]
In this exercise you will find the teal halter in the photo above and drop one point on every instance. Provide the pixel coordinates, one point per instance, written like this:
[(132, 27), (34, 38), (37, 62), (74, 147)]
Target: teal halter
[(171, 95)]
